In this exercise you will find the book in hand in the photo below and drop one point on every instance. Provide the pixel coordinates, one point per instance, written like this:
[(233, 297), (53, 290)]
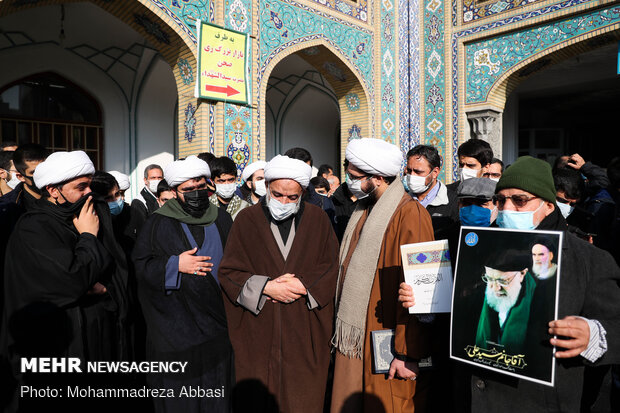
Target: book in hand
[(427, 269), (382, 342)]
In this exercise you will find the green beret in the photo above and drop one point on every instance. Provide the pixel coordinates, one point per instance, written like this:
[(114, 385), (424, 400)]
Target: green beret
[(531, 175)]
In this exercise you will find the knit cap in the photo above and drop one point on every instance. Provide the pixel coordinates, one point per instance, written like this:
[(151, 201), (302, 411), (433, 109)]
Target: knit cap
[(531, 175)]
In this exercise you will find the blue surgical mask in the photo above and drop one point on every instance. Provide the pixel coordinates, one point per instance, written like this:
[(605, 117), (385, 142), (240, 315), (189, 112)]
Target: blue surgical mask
[(475, 216), (518, 220), (116, 207)]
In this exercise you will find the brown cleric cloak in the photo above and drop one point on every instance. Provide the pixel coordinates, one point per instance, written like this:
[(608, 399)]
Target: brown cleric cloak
[(356, 388), (285, 349)]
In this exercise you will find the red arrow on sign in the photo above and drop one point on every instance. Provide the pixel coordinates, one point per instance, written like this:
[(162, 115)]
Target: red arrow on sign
[(229, 91)]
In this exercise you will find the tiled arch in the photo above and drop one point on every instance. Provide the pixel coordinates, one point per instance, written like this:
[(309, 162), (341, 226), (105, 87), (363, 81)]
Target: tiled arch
[(569, 48), (351, 92)]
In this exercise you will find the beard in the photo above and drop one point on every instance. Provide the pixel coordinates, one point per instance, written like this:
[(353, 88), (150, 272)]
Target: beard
[(540, 269), (503, 304), (544, 271)]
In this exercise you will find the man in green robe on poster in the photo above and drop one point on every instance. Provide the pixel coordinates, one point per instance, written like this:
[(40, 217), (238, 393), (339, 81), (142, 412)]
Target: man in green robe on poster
[(508, 297)]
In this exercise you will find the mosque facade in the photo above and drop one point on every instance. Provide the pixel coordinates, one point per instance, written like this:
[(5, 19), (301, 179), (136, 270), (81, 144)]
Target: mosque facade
[(322, 72)]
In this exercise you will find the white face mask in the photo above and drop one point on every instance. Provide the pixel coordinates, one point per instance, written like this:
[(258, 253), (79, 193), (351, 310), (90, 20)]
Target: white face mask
[(467, 173), (565, 209), (153, 185), (280, 211), (494, 179), (13, 182), (355, 186), (259, 187), (417, 184), (226, 191)]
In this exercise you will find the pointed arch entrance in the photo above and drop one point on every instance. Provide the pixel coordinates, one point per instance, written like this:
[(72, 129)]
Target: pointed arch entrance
[(313, 99)]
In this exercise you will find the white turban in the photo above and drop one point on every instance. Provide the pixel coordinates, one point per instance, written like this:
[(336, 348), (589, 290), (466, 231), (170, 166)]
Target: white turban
[(375, 156), (60, 167), (251, 168), (178, 172), (122, 179), (283, 167)]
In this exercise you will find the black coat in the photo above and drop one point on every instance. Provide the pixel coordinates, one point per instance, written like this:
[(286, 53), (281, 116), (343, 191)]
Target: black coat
[(142, 211), (589, 288), (49, 271), (188, 324), (343, 207)]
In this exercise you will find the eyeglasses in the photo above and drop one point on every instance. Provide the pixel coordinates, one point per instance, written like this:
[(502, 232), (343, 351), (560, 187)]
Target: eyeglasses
[(358, 178), (503, 282), (518, 200)]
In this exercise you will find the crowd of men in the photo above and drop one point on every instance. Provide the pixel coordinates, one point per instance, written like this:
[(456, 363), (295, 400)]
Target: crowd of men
[(269, 284)]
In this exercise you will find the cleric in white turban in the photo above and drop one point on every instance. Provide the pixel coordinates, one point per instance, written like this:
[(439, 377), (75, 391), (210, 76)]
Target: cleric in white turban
[(370, 273), (283, 167), (65, 276), (251, 168), (180, 171), (279, 269), (122, 179), (61, 167), (254, 180), (177, 258), (375, 156)]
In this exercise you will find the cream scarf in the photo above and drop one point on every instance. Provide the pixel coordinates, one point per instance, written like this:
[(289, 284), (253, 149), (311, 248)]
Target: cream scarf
[(352, 308)]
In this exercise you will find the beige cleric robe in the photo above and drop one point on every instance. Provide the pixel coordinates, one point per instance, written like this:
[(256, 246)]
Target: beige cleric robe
[(285, 348), (356, 388)]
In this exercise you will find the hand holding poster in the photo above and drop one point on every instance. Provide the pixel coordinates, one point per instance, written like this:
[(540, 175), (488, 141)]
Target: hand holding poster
[(505, 293), (428, 271)]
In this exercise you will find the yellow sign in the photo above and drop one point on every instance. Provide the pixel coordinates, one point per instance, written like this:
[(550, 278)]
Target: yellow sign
[(222, 64)]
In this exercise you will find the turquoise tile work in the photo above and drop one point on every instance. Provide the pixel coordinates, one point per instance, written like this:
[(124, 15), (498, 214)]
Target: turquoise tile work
[(434, 77), (286, 23), (486, 61), (238, 119), (388, 72)]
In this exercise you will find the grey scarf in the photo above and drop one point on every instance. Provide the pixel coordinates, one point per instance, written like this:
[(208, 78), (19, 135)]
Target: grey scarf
[(352, 308)]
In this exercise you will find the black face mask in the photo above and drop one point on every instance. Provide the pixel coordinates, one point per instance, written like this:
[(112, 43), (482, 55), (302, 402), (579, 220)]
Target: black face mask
[(32, 187), (196, 202), (73, 208)]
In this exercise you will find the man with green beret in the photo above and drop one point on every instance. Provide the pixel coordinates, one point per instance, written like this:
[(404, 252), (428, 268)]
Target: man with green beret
[(587, 329)]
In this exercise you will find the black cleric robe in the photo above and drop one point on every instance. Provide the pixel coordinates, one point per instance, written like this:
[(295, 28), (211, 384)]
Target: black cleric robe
[(184, 313), (282, 351), (49, 309)]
